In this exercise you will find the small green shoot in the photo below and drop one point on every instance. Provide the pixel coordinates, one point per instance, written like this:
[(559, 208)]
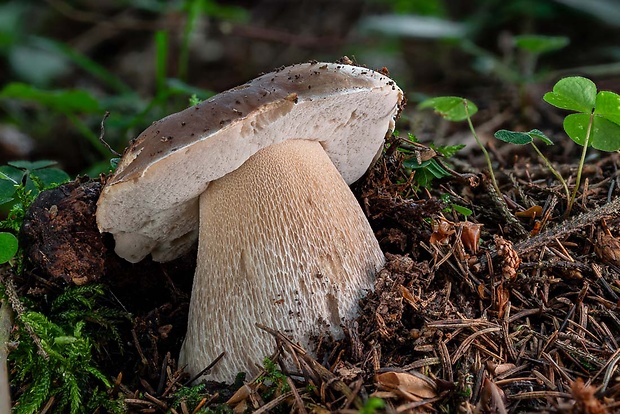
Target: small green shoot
[(456, 109), (426, 169), (522, 138), (462, 210), (194, 100), (372, 405), (273, 379), (191, 396), (447, 150), (114, 163), (596, 123)]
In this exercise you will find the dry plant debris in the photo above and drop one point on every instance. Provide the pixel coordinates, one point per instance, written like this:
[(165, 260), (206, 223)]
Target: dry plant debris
[(470, 316)]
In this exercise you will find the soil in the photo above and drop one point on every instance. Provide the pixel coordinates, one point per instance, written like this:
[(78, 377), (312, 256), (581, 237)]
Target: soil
[(513, 310)]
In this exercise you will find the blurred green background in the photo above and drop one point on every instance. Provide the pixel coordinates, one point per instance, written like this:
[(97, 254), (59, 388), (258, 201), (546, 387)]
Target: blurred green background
[(65, 63)]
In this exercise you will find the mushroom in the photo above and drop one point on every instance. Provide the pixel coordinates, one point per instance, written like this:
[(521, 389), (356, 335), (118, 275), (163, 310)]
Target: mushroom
[(259, 175)]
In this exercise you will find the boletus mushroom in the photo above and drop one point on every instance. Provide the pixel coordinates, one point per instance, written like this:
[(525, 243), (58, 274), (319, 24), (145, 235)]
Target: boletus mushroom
[(259, 175)]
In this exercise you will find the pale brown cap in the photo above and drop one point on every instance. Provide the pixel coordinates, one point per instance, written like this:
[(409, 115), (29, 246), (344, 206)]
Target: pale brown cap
[(150, 204)]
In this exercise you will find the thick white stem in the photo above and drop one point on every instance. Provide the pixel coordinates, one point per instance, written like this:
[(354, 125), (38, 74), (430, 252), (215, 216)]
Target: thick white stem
[(283, 242)]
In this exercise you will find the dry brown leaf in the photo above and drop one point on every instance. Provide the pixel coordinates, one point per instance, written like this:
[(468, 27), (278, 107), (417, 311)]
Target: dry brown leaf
[(470, 237), (407, 385), (442, 230), (492, 397), (502, 295), (585, 400), (240, 395), (409, 298), (241, 408), (531, 212), (607, 248), (498, 369), (502, 368)]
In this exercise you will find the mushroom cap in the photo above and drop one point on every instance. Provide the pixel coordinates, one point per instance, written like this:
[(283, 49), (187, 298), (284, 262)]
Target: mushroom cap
[(150, 204)]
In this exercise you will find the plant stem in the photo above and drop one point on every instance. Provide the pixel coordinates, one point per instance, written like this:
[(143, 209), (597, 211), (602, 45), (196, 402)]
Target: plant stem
[(586, 142), (484, 150), (553, 171)]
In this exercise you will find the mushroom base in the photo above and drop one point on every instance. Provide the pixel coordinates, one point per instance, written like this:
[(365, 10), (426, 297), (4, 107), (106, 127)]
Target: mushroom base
[(284, 243)]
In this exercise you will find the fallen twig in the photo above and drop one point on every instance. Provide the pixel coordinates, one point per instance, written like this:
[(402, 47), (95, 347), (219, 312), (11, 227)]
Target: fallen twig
[(563, 229), (326, 376)]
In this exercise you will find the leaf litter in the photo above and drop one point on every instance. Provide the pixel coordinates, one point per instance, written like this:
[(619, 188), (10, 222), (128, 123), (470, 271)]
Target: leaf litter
[(499, 312)]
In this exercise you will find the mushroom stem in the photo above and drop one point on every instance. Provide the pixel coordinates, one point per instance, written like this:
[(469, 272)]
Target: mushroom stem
[(284, 243)]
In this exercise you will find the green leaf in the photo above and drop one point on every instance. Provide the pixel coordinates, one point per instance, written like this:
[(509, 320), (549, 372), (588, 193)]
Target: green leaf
[(10, 178), (6, 197), (608, 106), (521, 138), (7, 190), (51, 176), (605, 135), (576, 126), (65, 101), (12, 174), (425, 172), (462, 210), (431, 166), (512, 137), (8, 247), (451, 108), (8, 184), (540, 135), (541, 44), (35, 165), (573, 93), (437, 170)]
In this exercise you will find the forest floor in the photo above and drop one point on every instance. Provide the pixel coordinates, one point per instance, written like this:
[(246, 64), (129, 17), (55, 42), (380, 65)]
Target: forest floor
[(512, 309)]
